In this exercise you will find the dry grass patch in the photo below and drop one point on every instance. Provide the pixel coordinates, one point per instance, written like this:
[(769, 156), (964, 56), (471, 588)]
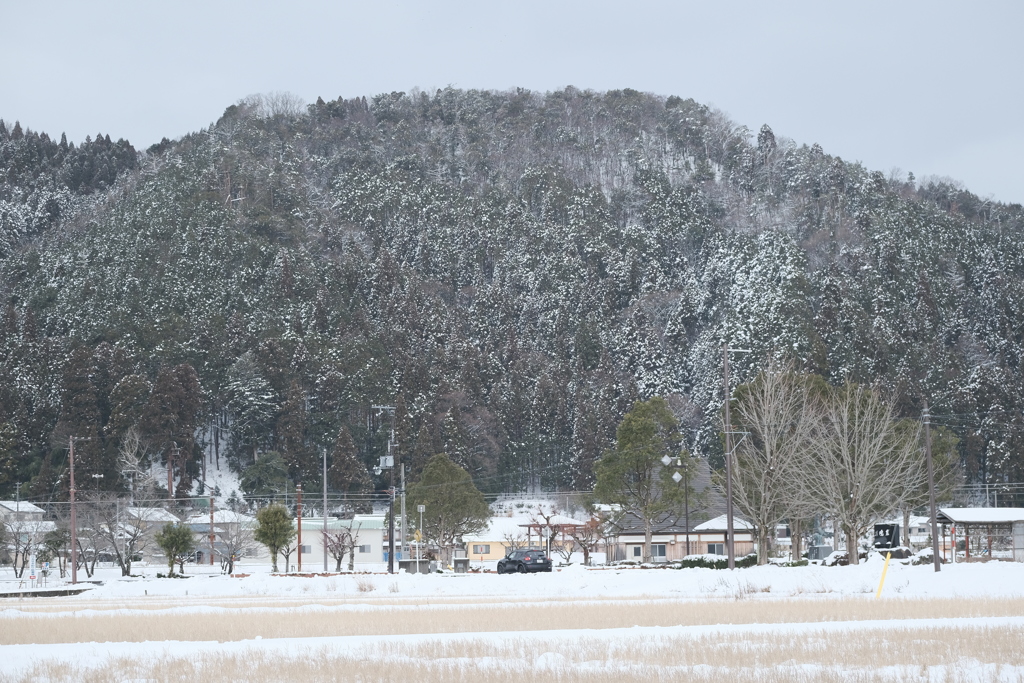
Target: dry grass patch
[(923, 653), (351, 620)]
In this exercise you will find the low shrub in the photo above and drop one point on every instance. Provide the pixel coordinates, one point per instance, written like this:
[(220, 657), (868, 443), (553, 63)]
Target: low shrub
[(716, 562)]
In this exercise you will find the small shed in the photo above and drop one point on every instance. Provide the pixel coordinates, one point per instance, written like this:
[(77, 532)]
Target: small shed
[(990, 528)]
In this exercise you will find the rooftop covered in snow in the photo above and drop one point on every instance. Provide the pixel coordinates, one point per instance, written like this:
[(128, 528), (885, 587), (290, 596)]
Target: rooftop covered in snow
[(980, 515)]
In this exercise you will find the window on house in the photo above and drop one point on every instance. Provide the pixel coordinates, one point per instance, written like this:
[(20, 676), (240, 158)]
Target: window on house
[(482, 550), (638, 551), (364, 548), (658, 550), (716, 549), (304, 549)]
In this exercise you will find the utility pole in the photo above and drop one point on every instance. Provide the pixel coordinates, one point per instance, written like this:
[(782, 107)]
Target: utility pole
[(298, 509), (931, 488), (729, 543), (404, 546), (74, 518), (170, 471), (391, 506), (388, 462), (211, 525), (325, 511), (729, 548)]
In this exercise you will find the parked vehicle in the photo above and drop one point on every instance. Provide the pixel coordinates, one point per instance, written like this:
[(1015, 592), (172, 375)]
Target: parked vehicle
[(525, 560)]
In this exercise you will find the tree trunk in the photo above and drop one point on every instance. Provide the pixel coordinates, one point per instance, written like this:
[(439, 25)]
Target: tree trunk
[(905, 531), (794, 541), (762, 545), (851, 545)]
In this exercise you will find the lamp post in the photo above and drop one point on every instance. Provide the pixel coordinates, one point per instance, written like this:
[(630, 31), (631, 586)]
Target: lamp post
[(419, 543), (729, 546), (678, 478)]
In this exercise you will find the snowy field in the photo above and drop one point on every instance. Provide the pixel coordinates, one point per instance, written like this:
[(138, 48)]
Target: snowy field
[(603, 624)]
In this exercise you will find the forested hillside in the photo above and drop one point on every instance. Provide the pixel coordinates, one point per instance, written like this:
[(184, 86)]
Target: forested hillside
[(511, 270)]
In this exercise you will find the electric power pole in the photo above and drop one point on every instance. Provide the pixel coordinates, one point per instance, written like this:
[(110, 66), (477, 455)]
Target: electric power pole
[(74, 518), (729, 547), (931, 489), (388, 462), (325, 511), (729, 544), (404, 547), (298, 511)]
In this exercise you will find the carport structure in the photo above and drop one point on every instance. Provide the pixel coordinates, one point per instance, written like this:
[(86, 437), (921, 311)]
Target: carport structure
[(984, 524), (548, 528)]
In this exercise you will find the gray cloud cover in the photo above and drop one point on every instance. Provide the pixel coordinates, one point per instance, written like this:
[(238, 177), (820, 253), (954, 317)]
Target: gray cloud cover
[(928, 87)]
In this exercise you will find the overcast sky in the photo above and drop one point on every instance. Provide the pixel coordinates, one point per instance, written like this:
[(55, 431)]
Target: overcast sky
[(930, 87)]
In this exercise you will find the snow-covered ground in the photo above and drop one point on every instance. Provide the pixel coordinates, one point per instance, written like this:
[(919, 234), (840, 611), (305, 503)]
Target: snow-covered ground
[(996, 586)]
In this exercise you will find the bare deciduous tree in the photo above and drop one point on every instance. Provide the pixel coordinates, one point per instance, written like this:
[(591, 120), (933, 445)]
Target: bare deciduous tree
[(124, 535), (514, 540), (775, 414), (237, 540), (864, 463), (92, 540), (342, 542), (589, 536), (131, 463), (23, 537)]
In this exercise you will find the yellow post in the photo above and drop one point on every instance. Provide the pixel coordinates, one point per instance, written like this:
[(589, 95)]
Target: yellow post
[(884, 570)]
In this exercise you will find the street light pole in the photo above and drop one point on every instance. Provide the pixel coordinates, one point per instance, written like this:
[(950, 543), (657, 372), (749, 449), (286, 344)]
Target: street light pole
[(419, 542)]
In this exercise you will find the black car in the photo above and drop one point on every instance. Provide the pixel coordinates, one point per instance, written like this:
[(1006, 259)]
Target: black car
[(525, 560)]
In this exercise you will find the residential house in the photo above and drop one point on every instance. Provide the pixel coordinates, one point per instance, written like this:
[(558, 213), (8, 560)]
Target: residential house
[(672, 541), (232, 532), (502, 534), (369, 532), (19, 510), (24, 529), (150, 520)]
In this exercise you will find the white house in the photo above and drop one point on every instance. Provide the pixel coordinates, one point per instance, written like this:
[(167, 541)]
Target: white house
[(19, 510), (368, 533), (232, 532)]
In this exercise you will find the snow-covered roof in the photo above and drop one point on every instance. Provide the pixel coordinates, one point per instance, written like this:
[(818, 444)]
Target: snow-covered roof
[(366, 521), (556, 520), (981, 515), (28, 527), (21, 507), (720, 523), (500, 527), (153, 514), (221, 517), (360, 522)]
